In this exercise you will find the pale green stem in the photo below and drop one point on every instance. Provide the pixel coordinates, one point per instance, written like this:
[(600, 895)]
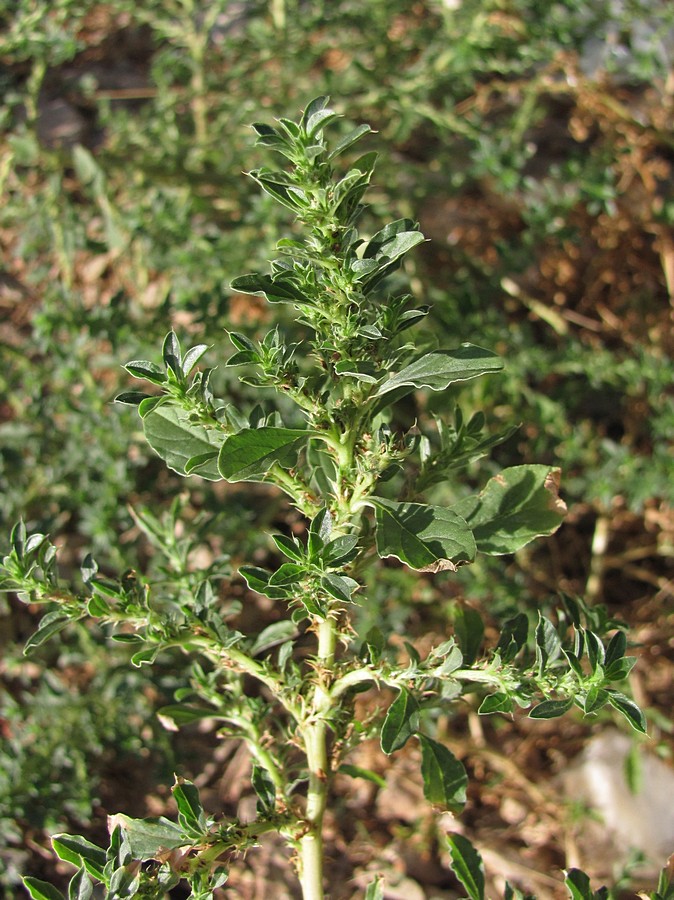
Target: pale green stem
[(315, 743)]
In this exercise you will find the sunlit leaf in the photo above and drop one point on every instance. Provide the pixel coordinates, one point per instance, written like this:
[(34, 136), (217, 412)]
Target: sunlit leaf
[(516, 506), (427, 538)]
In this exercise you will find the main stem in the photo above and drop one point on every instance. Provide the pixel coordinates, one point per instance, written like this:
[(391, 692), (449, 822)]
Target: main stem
[(315, 734)]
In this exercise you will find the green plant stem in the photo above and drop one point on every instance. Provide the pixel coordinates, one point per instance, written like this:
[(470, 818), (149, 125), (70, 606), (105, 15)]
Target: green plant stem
[(315, 733)]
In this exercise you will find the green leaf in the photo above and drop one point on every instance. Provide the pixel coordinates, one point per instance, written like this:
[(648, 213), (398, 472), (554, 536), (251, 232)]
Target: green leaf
[(548, 643), (75, 849), (358, 772), (172, 356), (427, 538), (264, 285), (340, 551), (132, 398), (341, 587), (49, 625), (348, 140), (444, 777), (551, 709), (173, 437), (497, 702), (516, 506), (513, 637), (80, 886), (578, 885), (313, 106), (469, 630), (467, 865), (290, 547), (265, 790), (192, 357), (374, 890), (41, 890), (195, 463), (628, 709), (596, 698), (441, 368), (401, 722), (616, 649), (149, 837), (182, 714), (190, 811), (149, 371), (276, 633), (250, 453)]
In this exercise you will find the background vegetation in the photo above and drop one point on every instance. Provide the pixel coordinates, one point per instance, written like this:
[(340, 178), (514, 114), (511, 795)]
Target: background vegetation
[(533, 142)]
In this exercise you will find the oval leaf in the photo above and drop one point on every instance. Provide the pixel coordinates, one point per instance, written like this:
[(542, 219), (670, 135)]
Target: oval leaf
[(551, 709)]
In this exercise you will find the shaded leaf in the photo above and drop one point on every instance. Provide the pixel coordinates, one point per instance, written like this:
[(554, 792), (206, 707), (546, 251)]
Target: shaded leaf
[(551, 709), (75, 849), (264, 788), (401, 722), (264, 285), (497, 702), (629, 710), (341, 587), (49, 625), (80, 886), (444, 777), (469, 630)]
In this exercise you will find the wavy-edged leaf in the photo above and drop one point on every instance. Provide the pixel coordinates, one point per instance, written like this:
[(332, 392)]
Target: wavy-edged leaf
[(250, 453), (467, 865), (440, 368), (516, 506), (427, 538), (173, 437)]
